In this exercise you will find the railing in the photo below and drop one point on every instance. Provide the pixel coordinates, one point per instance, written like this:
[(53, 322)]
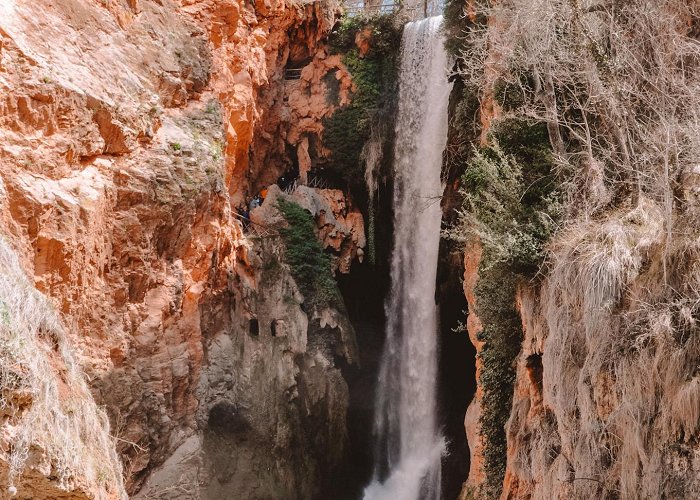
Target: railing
[(313, 181), (291, 187), (317, 182), (410, 9), (292, 73), (253, 228), (388, 8)]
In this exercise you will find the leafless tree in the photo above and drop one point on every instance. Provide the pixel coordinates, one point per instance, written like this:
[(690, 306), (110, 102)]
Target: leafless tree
[(616, 81)]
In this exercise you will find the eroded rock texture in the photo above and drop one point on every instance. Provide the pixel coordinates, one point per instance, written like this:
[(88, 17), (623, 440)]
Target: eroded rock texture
[(607, 396), (605, 387), (54, 440), (272, 401), (126, 134)]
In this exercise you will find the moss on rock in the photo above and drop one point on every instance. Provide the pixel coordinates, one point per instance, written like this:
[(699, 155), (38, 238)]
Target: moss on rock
[(374, 75)]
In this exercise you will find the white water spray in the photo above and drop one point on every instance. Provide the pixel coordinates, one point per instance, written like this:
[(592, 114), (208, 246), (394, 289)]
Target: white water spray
[(409, 446)]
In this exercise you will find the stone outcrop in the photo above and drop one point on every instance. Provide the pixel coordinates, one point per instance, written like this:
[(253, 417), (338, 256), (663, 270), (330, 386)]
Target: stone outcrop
[(296, 106), (340, 229), (272, 400), (125, 139)]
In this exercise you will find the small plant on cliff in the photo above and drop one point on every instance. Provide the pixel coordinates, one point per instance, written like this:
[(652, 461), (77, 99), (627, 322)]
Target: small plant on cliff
[(310, 265), (512, 210), (212, 107)]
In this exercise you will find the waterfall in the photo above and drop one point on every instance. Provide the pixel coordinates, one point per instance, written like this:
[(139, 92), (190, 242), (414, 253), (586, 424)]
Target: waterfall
[(409, 446)]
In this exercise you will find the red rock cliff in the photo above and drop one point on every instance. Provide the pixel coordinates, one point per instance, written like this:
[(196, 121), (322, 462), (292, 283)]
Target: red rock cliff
[(126, 134)]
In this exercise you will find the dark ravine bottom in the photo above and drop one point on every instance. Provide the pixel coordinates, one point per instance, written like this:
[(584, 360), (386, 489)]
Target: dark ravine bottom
[(364, 290), (457, 372)]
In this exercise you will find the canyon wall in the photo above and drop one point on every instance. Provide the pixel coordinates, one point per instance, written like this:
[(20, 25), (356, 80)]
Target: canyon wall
[(157, 344), (582, 289), (130, 133), (606, 394)]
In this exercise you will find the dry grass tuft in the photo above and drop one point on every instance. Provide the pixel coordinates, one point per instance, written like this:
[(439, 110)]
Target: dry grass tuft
[(620, 411), (53, 426)]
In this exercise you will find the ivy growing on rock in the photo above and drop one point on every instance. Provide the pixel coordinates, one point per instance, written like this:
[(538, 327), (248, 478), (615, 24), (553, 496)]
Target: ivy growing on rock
[(310, 265), (501, 335), (512, 205), (374, 76)]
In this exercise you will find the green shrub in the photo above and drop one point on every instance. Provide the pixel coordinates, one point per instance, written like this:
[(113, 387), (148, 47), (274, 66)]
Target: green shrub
[(310, 265), (512, 203), (528, 143), (511, 96), (513, 210)]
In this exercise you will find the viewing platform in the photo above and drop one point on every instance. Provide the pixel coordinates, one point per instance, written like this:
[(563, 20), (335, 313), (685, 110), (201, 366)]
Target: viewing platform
[(411, 9)]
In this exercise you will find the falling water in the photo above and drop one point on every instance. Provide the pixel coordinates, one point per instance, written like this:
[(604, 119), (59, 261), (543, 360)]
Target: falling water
[(409, 446)]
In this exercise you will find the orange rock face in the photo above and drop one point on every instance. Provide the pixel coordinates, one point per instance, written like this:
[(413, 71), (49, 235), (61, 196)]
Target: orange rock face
[(472, 258), (128, 130), (295, 109)]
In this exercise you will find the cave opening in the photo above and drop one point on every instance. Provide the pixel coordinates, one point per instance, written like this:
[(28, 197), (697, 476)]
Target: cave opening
[(225, 418), (535, 371), (457, 369), (253, 327)]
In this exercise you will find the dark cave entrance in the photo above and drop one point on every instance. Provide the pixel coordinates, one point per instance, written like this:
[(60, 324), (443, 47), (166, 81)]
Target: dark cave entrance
[(457, 369)]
